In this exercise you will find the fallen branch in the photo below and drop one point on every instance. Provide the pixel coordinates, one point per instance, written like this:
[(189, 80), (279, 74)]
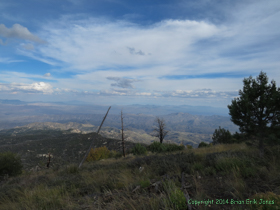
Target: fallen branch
[(186, 194)]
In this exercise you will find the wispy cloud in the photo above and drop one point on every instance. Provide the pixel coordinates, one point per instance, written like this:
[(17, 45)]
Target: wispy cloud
[(98, 43), (206, 76), (9, 60)]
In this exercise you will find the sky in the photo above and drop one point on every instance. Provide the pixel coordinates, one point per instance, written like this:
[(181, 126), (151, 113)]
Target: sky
[(162, 52)]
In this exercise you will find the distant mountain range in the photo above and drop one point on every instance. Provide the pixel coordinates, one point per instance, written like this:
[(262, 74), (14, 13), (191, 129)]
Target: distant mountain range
[(183, 122), (182, 127), (38, 107)]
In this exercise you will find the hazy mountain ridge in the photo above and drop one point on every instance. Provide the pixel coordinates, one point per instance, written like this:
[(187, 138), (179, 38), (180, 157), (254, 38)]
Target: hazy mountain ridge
[(131, 134), (139, 120), (182, 122)]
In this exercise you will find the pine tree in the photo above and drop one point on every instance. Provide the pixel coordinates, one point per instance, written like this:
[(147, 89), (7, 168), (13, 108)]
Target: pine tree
[(257, 109)]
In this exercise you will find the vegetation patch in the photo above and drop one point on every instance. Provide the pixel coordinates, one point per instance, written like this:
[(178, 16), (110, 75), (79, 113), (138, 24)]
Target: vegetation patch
[(138, 149), (157, 147), (98, 154), (10, 164)]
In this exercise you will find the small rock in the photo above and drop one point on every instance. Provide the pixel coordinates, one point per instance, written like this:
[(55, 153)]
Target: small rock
[(141, 169)]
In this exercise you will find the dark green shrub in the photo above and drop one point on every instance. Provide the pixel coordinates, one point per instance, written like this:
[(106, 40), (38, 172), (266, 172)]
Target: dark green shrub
[(203, 144), (198, 166), (173, 147), (210, 171), (144, 183), (273, 139), (115, 154), (156, 147), (249, 172), (222, 136), (72, 169), (10, 163), (138, 149), (240, 137)]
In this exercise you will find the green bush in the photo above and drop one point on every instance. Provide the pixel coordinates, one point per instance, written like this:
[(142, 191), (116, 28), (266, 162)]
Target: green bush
[(198, 166), (174, 147), (222, 136), (210, 171), (157, 147), (138, 149), (144, 183), (175, 197), (178, 199), (203, 144), (10, 163), (72, 169), (115, 154)]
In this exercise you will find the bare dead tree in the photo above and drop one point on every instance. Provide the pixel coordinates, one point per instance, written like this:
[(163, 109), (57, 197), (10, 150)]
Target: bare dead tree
[(86, 155), (122, 135), (49, 161), (160, 131)]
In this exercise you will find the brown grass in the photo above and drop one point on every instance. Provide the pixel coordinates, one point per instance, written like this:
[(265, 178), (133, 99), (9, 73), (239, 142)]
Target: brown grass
[(108, 184)]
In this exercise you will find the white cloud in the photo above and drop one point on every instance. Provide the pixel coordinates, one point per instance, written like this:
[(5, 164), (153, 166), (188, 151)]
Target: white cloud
[(42, 87), (20, 32), (47, 75), (143, 94)]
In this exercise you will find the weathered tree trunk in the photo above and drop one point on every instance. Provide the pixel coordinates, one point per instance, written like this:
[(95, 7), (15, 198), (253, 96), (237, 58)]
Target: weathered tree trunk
[(93, 140), (186, 194), (122, 135), (49, 161)]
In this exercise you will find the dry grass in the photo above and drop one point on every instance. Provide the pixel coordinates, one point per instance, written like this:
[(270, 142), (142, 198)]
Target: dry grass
[(218, 172)]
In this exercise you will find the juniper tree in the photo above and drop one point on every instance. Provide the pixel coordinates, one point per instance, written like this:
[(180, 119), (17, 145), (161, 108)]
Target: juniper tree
[(257, 109)]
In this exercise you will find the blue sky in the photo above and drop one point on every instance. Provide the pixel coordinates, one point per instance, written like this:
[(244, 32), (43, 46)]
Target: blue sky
[(136, 52)]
